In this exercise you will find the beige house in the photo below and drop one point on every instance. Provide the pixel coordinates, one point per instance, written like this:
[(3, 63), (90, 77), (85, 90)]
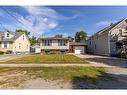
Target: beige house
[(110, 40), (14, 42), (54, 44)]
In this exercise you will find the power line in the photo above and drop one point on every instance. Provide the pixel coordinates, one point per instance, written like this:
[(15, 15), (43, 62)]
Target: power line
[(14, 17), (3, 26)]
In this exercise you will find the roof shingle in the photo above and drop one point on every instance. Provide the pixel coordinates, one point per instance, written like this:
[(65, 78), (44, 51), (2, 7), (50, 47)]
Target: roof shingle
[(16, 35)]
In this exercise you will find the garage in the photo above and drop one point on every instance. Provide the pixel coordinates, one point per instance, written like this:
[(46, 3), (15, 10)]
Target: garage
[(35, 49), (77, 48)]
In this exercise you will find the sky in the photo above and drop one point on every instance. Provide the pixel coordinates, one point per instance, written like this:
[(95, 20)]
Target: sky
[(44, 21)]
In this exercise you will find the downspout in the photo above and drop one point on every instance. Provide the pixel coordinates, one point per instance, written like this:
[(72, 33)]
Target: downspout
[(109, 50)]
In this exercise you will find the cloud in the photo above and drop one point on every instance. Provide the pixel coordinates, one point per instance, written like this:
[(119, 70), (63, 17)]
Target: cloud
[(65, 34), (42, 11), (104, 23), (48, 12), (39, 20)]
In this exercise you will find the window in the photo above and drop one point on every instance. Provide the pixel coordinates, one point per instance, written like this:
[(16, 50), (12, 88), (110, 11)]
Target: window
[(19, 46), (23, 37), (62, 42), (7, 34), (5, 44), (44, 42), (97, 36), (26, 46), (119, 45), (90, 42), (95, 46), (59, 41), (120, 30), (47, 43)]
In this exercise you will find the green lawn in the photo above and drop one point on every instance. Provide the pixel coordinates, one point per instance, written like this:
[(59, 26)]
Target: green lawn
[(47, 58)]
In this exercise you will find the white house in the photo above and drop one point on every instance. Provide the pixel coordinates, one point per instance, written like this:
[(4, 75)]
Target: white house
[(14, 42)]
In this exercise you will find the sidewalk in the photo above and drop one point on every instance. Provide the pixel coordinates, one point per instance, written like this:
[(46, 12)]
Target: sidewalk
[(53, 65)]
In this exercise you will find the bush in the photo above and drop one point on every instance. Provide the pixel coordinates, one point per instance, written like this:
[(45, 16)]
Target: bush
[(8, 52), (55, 52), (47, 52), (1, 52)]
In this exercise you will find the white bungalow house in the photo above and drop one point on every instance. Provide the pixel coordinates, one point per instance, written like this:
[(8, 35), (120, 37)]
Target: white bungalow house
[(58, 44)]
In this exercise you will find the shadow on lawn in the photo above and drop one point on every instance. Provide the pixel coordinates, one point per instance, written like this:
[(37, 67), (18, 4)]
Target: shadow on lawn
[(103, 81), (110, 61)]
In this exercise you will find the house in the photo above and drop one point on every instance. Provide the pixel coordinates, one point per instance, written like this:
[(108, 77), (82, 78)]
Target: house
[(77, 48), (59, 44), (14, 42), (110, 40)]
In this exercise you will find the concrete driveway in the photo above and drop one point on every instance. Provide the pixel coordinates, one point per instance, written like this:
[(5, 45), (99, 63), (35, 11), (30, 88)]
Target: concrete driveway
[(110, 61), (116, 68)]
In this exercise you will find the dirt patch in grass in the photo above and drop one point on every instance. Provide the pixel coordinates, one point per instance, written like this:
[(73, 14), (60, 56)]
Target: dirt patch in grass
[(53, 77)]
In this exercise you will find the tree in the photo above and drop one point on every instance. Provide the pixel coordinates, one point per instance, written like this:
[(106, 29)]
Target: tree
[(20, 30), (70, 38), (33, 40), (80, 36)]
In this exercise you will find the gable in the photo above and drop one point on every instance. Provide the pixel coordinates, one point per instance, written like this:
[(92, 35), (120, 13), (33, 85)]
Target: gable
[(23, 38), (13, 36)]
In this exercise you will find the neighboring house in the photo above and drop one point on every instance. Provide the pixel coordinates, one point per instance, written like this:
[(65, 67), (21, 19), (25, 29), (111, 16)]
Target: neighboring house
[(14, 41), (59, 44), (110, 40), (77, 48)]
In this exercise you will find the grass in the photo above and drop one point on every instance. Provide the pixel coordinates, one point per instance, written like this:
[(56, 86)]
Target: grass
[(16, 77), (47, 58), (51, 73)]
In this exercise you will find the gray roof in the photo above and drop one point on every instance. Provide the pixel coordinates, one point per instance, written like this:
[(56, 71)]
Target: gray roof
[(54, 38), (16, 35), (77, 44), (108, 28)]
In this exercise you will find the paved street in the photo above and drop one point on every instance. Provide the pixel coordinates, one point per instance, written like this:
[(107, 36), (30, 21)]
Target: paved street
[(10, 56)]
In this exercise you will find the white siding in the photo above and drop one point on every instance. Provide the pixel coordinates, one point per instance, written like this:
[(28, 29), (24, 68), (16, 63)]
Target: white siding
[(55, 45), (21, 44)]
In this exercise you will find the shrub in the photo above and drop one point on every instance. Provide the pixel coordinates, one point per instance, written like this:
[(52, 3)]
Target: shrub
[(1, 52), (8, 52), (55, 52)]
